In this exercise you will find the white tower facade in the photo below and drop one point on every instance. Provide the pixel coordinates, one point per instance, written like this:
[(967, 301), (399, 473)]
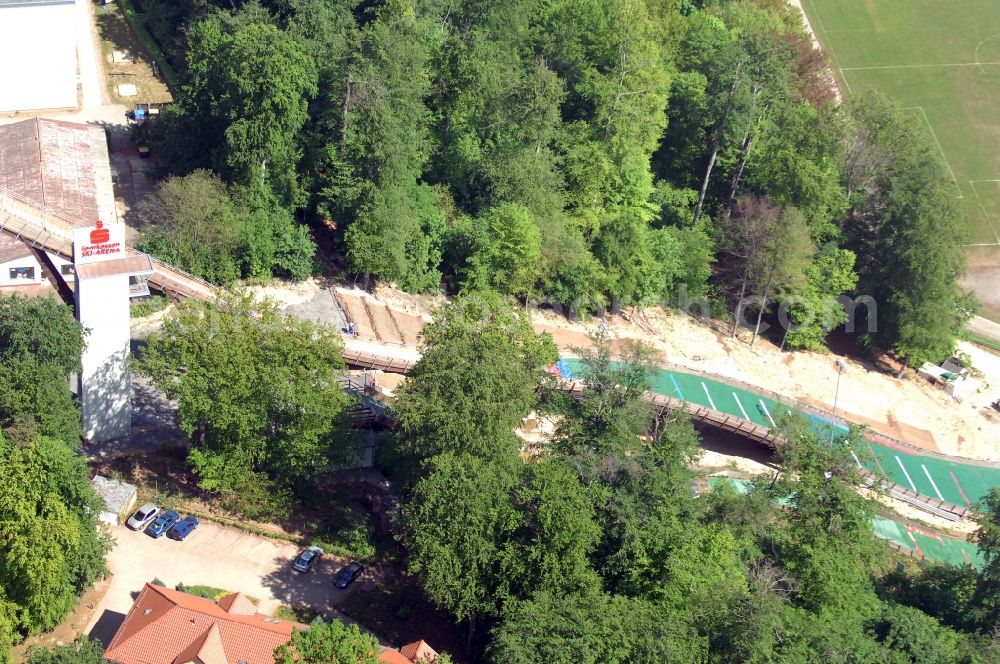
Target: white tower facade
[(103, 269)]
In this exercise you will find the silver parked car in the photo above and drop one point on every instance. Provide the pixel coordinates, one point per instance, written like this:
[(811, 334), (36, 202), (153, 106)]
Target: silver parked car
[(142, 516)]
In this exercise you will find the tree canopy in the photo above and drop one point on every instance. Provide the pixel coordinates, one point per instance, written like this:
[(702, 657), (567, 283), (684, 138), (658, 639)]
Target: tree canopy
[(40, 345), (328, 643), (52, 548), (595, 546), (257, 392), (587, 154)]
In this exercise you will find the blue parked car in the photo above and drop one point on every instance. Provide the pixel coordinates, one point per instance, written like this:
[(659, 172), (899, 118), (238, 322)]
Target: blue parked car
[(183, 528), (163, 523)]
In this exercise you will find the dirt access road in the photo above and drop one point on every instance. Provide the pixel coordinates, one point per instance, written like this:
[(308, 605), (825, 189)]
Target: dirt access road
[(220, 557)]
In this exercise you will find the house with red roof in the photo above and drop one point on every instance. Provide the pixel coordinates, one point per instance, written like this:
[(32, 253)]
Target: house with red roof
[(172, 627)]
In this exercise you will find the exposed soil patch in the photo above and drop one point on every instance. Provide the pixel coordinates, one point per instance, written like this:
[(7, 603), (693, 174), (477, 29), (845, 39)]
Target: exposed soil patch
[(73, 625)]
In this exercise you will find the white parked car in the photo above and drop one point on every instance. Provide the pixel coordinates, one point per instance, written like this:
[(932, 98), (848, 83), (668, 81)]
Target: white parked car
[(142, 516)]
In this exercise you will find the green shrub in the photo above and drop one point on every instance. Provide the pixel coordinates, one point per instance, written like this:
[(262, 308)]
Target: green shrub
[(208, 592), (144, 306)]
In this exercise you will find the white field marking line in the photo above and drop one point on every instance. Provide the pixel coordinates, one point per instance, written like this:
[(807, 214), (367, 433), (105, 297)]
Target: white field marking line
[(768, 413), (928, 474), (908, 478), (943, 64), (940, 149), (711, 402), (843, 77), (980, 46), (835, 61), (983, 244), (989, 222), (742, 409), (856, 460)]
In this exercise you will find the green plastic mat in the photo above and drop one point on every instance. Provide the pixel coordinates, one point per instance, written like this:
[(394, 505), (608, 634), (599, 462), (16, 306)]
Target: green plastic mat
[(958, 483)]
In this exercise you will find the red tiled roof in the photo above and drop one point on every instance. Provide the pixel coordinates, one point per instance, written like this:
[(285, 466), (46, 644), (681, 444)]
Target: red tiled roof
[(237, 603), (418, 651), (206, 649), (164, 626), (392, 657)]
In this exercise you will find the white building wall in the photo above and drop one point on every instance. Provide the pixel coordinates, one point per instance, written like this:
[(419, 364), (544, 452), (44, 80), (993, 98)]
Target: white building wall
[(38, 61), (102, 307), (64, 266), (26, 262)]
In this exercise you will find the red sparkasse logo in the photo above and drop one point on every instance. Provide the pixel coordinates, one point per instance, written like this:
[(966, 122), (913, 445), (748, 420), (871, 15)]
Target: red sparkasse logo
[(100, 234), (100, 244)]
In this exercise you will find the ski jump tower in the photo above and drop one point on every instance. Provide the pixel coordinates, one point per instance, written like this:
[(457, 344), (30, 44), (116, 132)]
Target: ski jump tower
[(55, 183), (105, 279)]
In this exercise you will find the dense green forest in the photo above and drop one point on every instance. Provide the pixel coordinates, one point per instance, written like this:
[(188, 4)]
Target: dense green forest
[(596, 547), (577, 153)]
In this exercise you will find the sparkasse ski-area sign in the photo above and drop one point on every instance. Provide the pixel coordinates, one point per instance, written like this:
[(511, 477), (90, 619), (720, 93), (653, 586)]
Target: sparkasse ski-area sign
[(99, 243)]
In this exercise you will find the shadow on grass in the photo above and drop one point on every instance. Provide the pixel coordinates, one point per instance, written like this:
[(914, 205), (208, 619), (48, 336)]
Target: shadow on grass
[(111, 27)]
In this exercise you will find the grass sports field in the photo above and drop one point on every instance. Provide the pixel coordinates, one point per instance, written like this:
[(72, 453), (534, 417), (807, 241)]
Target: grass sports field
[(939, 59)]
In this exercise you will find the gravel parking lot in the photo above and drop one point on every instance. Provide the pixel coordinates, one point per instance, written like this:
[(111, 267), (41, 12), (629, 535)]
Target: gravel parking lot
[(215, 556)]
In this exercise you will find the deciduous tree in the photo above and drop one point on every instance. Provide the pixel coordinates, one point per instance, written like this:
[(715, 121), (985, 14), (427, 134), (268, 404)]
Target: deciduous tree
[(52, 549), (475, 381), (40, 345), (329, 643), (257, 392)]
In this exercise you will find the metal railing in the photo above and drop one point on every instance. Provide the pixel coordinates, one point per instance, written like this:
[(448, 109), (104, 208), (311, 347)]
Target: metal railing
[(53, 231)]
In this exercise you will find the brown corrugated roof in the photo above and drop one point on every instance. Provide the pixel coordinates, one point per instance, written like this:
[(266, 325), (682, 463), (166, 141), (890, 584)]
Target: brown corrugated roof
[(11, 249), (139, 264), (51, 163), (165, 624)]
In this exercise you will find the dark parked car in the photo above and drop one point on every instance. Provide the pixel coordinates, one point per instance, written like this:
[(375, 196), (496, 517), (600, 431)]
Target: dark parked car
[(347, 575), (183, 528), (163, 523), (307, 559)]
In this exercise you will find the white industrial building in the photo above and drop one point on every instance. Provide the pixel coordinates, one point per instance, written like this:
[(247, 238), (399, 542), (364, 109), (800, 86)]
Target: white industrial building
[(38, 54)]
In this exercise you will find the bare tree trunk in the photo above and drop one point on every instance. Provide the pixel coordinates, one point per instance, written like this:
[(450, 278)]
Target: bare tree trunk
[(784, 337), (902, 369), (344, 110), (704, 183), (735, 185), (746, 147), (717, 140), (739, 305), (760, 312), (471, 632)]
